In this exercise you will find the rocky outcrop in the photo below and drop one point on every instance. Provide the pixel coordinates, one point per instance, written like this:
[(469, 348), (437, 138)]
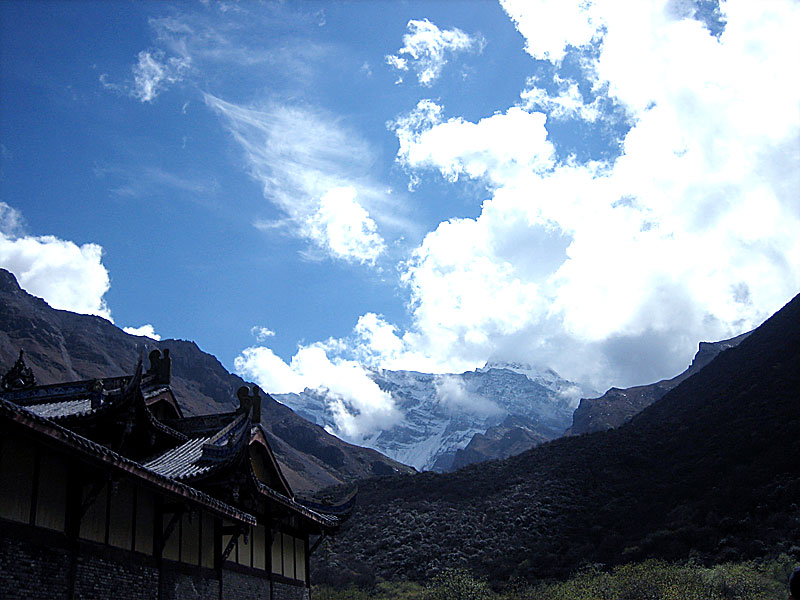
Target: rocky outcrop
[(617, 405), (513, 436)]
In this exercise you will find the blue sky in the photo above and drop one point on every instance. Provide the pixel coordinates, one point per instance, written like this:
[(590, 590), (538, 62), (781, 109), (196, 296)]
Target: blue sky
[(304, 188)]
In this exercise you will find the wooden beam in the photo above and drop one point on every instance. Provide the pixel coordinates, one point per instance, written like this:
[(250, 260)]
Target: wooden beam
[(229, 547), (173, 522)]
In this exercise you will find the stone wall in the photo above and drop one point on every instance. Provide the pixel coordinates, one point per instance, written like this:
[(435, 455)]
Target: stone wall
[(282, 591), (35, 564)]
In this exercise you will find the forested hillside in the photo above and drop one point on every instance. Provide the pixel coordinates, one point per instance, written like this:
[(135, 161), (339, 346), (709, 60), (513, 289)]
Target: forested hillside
[(709, 471)]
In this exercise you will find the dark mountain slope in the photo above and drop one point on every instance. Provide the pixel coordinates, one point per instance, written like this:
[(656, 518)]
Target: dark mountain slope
[(617, 405), (64, 346), (710, 470), (513, 436)]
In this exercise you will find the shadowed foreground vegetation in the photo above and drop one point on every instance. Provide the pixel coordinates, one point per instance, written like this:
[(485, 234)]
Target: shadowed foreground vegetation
[(649, 580)]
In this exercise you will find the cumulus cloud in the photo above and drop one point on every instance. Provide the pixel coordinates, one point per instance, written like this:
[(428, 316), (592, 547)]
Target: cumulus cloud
[(549, 28), (146, 330), (612, 271), (358, 406), (496, 147), (66, 275), (426, 47), (317, 172), (342, 226)]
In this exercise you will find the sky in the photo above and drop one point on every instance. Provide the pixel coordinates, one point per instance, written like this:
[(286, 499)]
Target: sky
[(306, 189)]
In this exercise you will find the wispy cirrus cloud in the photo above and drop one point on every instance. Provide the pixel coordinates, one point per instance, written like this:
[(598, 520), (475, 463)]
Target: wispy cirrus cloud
[(152, 74), (426, 48), (316, 171), (139, 181)]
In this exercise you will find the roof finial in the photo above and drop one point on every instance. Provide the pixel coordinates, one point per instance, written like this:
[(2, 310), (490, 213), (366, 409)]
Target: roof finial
[(251, 404), (160, 367), (20, 376)]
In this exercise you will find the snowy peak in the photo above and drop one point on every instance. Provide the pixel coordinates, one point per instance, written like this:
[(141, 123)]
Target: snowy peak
[(442, 413), (526, 369)]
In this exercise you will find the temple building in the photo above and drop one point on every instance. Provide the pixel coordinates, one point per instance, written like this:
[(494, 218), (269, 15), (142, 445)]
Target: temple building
[(108, 491)]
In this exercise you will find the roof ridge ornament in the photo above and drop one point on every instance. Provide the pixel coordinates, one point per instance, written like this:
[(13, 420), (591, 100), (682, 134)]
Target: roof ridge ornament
[(18, 377), (160, 366), (250, 403)]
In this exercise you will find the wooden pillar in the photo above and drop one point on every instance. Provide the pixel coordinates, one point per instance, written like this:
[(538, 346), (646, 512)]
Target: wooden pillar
[(308, 563), (72, 524), (218, 553)]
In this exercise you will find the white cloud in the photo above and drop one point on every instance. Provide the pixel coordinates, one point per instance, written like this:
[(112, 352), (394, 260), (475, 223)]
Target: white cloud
[(153, 73), (425, 49), (317, 172), (358, 405), (146, 330), (549, 27), (268, 370), (496, 147), (452, 395), (66, 275), (568, 103), (262, 333), (11, 220), (611, 272), (344, 228)]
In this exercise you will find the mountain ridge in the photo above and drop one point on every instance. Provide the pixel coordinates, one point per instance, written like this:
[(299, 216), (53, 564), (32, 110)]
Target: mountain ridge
[(62, 346), (442, 413), (618, 405)]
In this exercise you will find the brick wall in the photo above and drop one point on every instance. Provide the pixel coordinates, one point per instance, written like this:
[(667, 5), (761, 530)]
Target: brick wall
[(98, 578), (30, 571)]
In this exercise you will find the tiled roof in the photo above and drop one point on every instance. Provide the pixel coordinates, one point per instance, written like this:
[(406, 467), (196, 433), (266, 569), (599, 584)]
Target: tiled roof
[(181, 462), (201, 455), (67, 408), (202, 445), (94, 451), (150, 392)]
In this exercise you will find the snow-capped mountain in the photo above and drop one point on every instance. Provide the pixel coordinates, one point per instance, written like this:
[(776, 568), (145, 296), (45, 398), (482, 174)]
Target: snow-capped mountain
[(441, 413)]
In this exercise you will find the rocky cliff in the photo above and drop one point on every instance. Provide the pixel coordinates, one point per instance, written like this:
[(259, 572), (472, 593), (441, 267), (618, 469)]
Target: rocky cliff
[(617, 405)]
